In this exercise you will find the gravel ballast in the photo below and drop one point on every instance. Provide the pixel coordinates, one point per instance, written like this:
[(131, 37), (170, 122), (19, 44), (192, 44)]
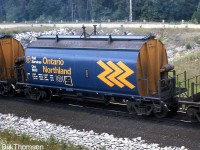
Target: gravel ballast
[(38, 129)]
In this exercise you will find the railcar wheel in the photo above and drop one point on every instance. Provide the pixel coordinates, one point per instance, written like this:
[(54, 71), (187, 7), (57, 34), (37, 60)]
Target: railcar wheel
[(12, 91), (130, 108), (33, 94), (173, 110), (48, 97), (107, 100), (7, 90), (162, 113), (3, 90), (193, 115)]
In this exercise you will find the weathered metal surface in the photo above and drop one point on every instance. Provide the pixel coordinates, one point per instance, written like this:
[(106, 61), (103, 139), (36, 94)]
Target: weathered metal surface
[(133, 45), (95, 42), (10, 51)]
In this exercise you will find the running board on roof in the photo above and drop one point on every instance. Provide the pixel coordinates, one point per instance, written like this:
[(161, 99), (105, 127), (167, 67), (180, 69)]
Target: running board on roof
[(100, 37)]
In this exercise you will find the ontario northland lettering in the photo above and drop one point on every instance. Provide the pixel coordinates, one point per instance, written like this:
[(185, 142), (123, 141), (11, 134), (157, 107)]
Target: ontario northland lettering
[(47, 61), (56, 69)]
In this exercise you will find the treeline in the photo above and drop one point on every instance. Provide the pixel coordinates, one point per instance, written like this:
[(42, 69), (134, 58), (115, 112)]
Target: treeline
[(99, 10)]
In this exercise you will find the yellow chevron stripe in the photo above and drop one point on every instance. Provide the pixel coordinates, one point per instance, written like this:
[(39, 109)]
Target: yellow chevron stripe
[(127, 73), (117, 71), (103, 75)]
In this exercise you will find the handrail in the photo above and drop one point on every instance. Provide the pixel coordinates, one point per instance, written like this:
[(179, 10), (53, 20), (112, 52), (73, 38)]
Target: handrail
[(159, 84), (194, 89), (191, 84), (191, 78), (184, 77), (169, 79)]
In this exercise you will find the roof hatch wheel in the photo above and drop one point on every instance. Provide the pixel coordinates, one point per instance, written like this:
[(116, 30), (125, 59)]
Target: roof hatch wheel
[(193, 114), (161, 111)]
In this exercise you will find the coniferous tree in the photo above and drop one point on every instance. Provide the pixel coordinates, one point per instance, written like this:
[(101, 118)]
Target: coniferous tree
[(2, 10), (97, 6), (120, 12), (196, 15)]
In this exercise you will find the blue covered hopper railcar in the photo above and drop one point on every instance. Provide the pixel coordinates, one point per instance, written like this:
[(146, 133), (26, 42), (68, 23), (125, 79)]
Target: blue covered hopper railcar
[(131, 69)]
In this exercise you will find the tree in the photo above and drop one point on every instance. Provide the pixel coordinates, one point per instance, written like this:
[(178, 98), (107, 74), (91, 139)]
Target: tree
[(2, 10), (34, 9), (99, 10), (15, 10), (196, 15), (120, 10)]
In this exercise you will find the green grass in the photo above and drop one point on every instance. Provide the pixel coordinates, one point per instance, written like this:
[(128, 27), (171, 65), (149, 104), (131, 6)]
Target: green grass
[(189, 63), (8, 138)]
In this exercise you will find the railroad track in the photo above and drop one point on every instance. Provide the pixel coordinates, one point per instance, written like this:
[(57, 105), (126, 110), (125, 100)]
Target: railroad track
[(112, 110)]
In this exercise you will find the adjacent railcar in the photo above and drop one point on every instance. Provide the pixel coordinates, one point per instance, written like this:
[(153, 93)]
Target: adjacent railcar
[(11, 54), (132, 69)]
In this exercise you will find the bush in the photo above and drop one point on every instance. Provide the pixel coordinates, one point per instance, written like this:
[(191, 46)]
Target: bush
[(197, 40), (188, 46)]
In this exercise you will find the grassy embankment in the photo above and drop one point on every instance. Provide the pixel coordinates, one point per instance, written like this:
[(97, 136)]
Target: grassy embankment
[(188, 59), (190, 64), (7, 138)]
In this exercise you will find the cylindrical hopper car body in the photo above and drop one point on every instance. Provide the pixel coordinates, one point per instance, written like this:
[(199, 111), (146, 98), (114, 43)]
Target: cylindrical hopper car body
[(105, 68)]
